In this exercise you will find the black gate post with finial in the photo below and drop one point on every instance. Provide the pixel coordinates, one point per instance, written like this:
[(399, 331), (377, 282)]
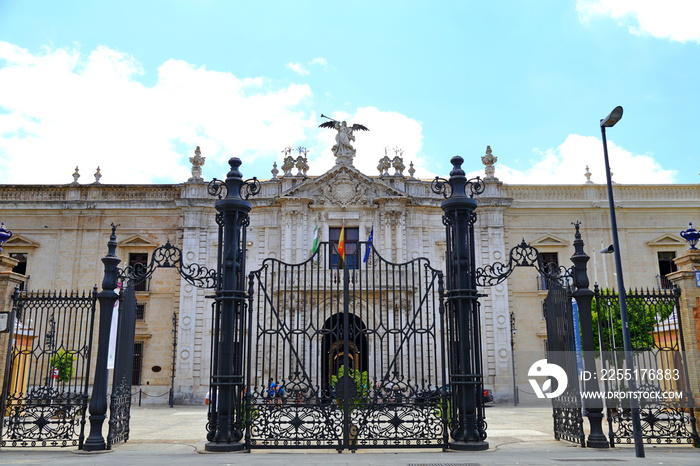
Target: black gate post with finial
[(227, 379), (467, 428), (584, 298), (107, 297)]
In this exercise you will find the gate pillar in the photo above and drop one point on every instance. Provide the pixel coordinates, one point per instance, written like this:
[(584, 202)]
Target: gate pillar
[(227, 376), (107, 297), (467, 429), (584, 297)]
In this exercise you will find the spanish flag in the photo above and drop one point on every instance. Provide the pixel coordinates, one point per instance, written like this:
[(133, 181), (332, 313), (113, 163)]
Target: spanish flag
[(341, 245)]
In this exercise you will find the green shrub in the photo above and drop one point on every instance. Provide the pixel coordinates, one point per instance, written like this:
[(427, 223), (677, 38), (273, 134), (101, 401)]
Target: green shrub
[(63, 361)]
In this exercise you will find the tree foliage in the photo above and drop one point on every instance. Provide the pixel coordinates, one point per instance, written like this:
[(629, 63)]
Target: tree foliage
[(643, 311)]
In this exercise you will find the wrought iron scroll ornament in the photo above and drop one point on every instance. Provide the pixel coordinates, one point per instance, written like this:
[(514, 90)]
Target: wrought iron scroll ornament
[(442, 186), (522, 255), (170, 256), (250, 187), (217, 188)]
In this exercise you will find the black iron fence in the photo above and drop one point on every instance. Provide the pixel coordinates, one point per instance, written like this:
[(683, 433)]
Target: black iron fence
[(45, 390), (656, 333)]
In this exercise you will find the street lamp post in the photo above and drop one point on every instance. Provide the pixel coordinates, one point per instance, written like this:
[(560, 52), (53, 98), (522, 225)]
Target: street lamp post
[(513, 330), (609, 122)]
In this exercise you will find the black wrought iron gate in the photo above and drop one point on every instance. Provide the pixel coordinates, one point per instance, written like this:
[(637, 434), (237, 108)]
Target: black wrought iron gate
[(345, 358), (562, 350), (45, 391)]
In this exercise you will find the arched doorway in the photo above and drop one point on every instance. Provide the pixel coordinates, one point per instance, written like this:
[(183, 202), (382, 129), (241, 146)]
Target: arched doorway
[(333, 346)]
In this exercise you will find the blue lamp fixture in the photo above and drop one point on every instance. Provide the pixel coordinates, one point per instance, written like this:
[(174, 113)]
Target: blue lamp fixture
[(5, 235), (691, 235)]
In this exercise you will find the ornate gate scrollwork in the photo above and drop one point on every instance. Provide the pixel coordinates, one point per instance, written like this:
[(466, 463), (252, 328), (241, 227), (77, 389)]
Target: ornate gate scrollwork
[(345, 358)]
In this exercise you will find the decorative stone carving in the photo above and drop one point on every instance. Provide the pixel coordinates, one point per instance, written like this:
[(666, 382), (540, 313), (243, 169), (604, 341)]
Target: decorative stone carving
[(76, 175), (489, 160), (411, 171), (384, 165), (343, 190), (197, 161), (274, 170), (302, 162), (98, 175), (588, 176), (398, 165), (288, 163)]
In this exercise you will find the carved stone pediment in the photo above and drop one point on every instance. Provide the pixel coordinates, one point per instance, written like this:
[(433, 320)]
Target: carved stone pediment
[(666, 241), (343, 186), (549, 240), (137, 241), (19, 241)]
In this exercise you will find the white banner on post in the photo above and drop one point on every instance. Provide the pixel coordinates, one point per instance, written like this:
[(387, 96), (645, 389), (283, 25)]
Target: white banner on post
[(113, 333)]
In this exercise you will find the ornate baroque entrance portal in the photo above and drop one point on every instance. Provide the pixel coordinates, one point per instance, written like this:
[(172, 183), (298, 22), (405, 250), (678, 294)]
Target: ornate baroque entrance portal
[(345, 358)]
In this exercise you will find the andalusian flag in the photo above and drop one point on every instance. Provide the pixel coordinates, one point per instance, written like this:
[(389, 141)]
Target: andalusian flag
[(341, 245), (369, 245), (314, 246)]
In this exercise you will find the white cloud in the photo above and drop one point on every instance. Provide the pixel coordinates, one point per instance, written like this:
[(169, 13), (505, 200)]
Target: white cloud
[(68, 109), (319, 61), (298, 68), (567, 164), (676, 20)]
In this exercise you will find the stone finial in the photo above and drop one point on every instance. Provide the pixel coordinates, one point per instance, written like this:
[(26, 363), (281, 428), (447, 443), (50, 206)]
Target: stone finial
[(76, 175), (274, 170), (98, 175), (489, 160), (384, 165), (197, 161), (411, 171), (287, 165), (588, 176), (302, 165), (398, 165)]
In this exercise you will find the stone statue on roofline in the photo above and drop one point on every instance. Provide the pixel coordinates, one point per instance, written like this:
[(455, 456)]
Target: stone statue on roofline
[(343, 150), (197, 161)]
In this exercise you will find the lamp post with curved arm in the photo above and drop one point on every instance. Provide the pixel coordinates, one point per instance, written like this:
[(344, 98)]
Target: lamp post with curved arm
[(609, 122)]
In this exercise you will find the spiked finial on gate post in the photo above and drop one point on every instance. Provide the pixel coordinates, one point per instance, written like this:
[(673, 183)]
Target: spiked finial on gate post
[(468, 429)]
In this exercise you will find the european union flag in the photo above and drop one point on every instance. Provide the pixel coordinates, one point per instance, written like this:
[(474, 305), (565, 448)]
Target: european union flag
[(369, 245)]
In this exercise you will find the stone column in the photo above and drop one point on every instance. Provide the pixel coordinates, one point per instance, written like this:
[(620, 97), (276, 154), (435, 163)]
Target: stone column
[(9, 280), (689, 316)]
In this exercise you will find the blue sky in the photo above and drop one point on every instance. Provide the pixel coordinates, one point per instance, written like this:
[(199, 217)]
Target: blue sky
[(134, 86)]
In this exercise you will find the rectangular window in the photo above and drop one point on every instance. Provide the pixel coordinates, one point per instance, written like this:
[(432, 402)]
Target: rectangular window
[(140, 311), (138, 261), (138, 363), (666, 266), (549, 263), (352, 247), (21, 267)]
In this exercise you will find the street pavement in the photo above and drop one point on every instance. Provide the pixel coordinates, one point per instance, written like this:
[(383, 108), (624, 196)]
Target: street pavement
[(516, 435)]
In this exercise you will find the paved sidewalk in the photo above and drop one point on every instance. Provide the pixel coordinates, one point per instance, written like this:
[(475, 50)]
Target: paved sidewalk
[(516, 435)]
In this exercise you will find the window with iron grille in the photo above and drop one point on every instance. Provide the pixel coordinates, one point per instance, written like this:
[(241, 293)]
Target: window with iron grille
[(138, 261), (140, 311), (138, 363), (549, 262)]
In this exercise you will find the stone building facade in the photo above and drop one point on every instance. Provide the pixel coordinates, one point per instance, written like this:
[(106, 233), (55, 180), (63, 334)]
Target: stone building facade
[(61, 233)]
